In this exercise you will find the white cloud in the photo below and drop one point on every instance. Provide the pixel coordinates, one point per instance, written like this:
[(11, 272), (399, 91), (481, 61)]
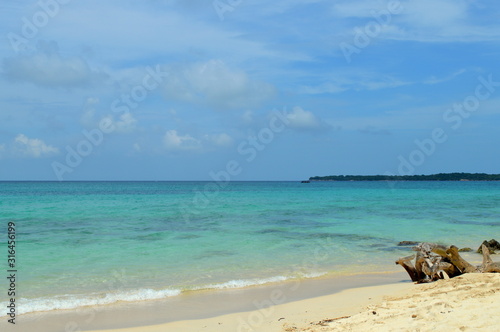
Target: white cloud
[(302, 119), (389, 82), (214, 83), (429, 13), (174, 141), (32, 147), (436, 80), (401, 119), (220, 139), (152, 29), (442, 21), (279, 7), (358, 9), (423, 20), (354, 80), (125, 124), (47, 68), (435, 14), (328, 87)]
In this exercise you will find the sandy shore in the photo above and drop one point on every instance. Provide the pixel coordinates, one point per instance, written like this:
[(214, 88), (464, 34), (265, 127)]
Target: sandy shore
[(467, 303), (187, 311), (470, 302), (284, 317)]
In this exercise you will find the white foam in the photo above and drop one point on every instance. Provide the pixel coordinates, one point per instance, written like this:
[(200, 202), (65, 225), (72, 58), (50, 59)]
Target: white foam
[(313, 274), (244, 283), (64, 302), (240, 283)]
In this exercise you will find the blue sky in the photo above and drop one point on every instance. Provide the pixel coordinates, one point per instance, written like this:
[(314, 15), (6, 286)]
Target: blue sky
[(247, 90)]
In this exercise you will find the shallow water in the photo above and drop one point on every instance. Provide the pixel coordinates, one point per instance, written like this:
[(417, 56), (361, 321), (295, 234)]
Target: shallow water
[(85, 243)]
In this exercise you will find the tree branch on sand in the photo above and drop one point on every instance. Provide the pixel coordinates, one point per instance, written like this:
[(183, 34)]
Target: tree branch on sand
[(433, 262)]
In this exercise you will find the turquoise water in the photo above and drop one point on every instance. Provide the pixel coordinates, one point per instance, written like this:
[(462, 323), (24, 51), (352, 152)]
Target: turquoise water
[(85, 243)]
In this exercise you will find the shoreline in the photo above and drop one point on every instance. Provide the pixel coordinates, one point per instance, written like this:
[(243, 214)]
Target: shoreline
[(76, 301), (101, 301), (204, 304), (469, 302), (282, 317)]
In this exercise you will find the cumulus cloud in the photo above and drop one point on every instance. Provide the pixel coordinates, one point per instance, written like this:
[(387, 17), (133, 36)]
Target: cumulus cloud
[(214, 83), (173, 141), (48, 69), (126, 123), (32, 147), (302, 119)]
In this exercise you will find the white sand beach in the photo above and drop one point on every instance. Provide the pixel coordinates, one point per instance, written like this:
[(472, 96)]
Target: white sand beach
[(467, 303)]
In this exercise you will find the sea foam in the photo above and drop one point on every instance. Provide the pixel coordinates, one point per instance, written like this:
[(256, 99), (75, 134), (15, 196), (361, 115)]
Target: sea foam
[(66, 302), (244, 283)]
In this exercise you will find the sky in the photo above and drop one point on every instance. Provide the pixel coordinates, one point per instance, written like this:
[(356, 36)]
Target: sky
[(237, 90)]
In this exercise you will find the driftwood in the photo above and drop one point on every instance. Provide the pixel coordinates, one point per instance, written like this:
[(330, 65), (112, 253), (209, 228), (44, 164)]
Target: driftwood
[(488, 265), (433, 262)]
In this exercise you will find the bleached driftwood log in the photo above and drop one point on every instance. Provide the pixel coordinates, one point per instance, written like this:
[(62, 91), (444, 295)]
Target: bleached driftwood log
[(434, 262), (488, 265)]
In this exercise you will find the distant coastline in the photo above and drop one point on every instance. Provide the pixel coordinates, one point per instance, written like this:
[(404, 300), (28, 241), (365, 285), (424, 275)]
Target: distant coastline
[(431, 177)]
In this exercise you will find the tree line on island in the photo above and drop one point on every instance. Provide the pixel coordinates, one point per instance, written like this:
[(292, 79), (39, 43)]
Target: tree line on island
[(431, 177)]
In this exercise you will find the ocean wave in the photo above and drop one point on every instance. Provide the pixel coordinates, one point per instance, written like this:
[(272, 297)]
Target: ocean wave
[(66, 302), (241, 283), (313, 274)]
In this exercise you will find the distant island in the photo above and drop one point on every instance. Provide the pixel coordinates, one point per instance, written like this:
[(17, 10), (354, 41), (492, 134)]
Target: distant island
[(432, 177)]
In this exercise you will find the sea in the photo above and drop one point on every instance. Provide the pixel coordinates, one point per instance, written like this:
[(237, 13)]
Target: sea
[(96, 243)]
